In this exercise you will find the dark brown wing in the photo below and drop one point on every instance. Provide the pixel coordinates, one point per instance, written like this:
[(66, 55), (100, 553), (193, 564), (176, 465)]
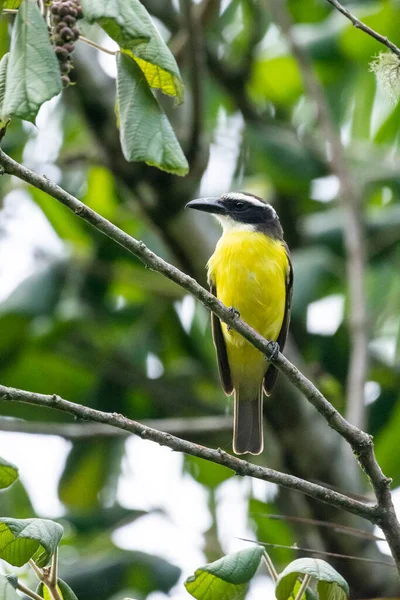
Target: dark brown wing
[(219, 343), (272, 373)]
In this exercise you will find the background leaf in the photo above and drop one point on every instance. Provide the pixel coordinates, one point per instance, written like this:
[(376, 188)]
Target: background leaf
[(7, 592), (8, 473)]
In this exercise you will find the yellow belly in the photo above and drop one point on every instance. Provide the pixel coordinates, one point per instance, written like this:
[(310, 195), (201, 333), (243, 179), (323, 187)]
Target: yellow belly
[(249, 270)]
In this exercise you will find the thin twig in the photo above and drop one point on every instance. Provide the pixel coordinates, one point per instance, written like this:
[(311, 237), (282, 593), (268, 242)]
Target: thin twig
[(270, 566), (384, 514), (360, 25), (297, 548), (327, 524), (10, 11), (97, 46), (303, 587), (354, 235), (241, 467)]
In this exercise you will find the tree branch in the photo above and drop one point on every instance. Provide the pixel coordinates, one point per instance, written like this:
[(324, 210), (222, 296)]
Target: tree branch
[(360, 25), (82, 431), (353, 226), (241, 467), (195, 151), (361, 443)]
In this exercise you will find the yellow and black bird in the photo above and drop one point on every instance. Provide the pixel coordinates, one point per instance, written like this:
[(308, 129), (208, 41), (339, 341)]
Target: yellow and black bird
[(251, 272)]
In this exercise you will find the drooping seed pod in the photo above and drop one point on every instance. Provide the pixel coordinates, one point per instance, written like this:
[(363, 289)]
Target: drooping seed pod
[(64, 32)]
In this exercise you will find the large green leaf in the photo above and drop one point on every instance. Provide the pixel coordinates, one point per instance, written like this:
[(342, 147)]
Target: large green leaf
[(226, 578), (8, 473), (146, 134), (33, 74), (3, 73), (64, 591), (10, 4), (23, 539), (273, 531), (331, 585), (210, 475), (91, 466), (7, 592), (130, 25)]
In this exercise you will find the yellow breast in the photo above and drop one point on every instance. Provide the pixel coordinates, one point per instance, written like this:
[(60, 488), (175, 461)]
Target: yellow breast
[(249, 270)]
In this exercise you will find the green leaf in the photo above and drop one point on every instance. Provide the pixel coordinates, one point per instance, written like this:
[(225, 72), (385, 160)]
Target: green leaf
[(63, 589), (130, 25), (33, 74), (320, 570), (3, 72), (146, 134), (7, 592), (23, 539), (8, 473), (267, 77), (226, 578), (13, 4), (330, 591)]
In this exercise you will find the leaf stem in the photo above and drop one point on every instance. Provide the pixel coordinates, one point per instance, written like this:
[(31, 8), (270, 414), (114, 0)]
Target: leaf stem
[(303, 587), (97, 46), (270, 566), (54, 569), (37, 570), (30, 593)]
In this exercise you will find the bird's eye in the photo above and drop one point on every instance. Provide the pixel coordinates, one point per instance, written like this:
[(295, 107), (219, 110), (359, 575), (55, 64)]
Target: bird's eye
[(239, 205)]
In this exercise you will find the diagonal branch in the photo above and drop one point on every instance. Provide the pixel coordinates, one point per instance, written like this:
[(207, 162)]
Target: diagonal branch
[(361, 443), (241, 467), (362, 27), (353, 225)]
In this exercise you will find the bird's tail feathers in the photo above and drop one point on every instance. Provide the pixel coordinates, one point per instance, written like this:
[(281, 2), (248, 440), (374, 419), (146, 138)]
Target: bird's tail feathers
[(248, 424)]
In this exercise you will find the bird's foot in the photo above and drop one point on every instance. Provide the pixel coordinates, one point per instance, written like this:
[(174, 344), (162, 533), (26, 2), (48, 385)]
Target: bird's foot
[(274, 349), (235, 314)]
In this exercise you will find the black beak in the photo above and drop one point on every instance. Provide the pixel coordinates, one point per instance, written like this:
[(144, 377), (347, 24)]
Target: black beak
[(209, 205)]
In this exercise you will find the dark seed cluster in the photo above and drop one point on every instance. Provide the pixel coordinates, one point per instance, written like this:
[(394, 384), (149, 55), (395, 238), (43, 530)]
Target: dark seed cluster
[(64, 15)]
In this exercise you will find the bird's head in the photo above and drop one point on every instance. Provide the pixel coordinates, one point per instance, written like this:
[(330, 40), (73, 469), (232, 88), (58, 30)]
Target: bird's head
[(241, 211)]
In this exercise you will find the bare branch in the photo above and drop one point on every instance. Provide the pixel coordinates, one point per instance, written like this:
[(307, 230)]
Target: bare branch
[(192, 17), (241, 467), (82, 431), (297, 548), (383, 514), (360, 25), (353, 226)]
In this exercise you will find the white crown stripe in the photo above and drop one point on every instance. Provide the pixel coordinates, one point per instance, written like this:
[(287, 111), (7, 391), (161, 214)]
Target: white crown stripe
[(249, 199)]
